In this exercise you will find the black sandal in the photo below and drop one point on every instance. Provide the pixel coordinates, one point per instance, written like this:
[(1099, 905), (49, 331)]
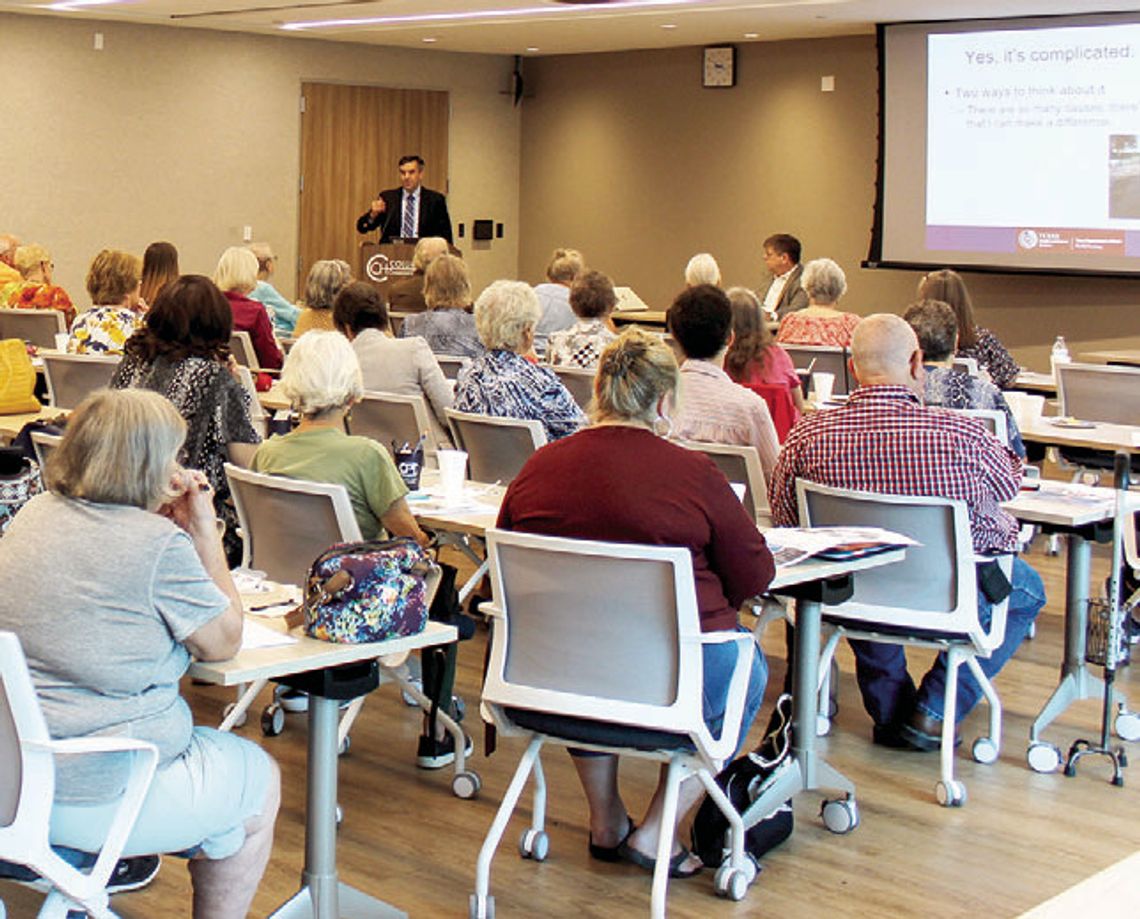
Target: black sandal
[(612, 853)]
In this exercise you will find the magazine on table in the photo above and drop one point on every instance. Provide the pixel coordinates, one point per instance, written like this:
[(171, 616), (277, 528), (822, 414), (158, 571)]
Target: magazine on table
[(792, 545)]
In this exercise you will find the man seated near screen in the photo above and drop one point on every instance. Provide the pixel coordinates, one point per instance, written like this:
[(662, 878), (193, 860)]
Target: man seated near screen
[(714, 409), (885, 440), (784, 295)]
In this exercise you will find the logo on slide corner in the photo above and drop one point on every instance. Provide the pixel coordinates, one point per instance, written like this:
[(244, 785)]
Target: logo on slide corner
[(1027, 239), (377, 267)]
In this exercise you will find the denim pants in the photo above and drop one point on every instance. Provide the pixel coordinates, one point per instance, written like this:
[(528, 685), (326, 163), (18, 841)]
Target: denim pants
[(889, 694)]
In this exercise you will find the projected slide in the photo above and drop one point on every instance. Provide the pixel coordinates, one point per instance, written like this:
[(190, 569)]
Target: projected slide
[(1033, 142)]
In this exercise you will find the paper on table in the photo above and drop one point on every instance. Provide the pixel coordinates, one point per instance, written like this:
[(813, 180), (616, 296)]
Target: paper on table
[(791, 545), (434, 501), (255, 635)]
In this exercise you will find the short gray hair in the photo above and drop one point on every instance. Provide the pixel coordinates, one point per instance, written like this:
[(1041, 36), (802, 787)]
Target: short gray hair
[(824, 281), (427, 251), (237, 270), (935, 325), (326, 278), (120, 447), (635, 370), (504, 312), (702, 269), (321, 373)]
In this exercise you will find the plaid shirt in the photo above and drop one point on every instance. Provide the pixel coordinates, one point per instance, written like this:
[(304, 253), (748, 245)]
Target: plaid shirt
[(884, 440)]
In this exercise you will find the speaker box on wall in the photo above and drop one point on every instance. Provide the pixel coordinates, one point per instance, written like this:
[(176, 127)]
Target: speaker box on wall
[(482, 229)]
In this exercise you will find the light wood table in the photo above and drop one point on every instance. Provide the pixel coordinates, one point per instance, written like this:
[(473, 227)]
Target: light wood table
[(10, 425), (1109, 438), (639, 317), (1127, 356), (273, 399), (1028, 381), (313, 665)]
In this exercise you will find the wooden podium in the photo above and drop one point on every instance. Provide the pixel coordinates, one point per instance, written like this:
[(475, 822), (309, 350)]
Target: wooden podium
[(384, 262)]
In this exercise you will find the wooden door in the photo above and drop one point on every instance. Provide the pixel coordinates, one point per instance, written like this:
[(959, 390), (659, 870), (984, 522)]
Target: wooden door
[(351, 140)]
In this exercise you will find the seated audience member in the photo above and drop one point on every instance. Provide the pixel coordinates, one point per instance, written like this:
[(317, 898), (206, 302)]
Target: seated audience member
[(619, 481), (936, 328), (592, 299), (326, 278), (502, 382), (37, 292), (159, 268), (554, 295), (183, 353), (885, 440), (820, 323), (754, 356), (406, 295), (782, 259), (702, 269), (283, 313), (138, 583), (322, 380), (448, 326), (113, 285), (981, 344), (712, 407), (397, 365), (8, 246), (236, 277)]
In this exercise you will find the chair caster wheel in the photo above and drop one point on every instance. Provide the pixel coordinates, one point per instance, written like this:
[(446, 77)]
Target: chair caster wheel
[(1127, 726), (466, 785), (344, 746), (840, 815), (731, 883), (481, 910), (244, 716), (272, 720), (1043, 757), (534, 844), (822, 725), (985, 751), (950, 794)]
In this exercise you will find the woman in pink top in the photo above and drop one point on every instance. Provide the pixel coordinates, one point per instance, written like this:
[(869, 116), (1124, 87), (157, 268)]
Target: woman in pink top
[(753, 356), (820, 323)]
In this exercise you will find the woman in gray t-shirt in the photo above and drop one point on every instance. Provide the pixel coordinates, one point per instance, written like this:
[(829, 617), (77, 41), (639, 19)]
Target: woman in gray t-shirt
[(122, 578)]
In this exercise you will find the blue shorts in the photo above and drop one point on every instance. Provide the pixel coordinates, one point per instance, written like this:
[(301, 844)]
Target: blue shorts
[(197, 805)]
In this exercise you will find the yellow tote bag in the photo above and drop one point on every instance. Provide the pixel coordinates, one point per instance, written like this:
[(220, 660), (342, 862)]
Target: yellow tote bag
[(17, 379)]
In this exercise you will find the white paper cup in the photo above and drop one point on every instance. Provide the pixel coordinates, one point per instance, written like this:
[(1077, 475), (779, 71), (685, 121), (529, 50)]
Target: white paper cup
[(452, 472), (61, 341), (822, 383), (1026, 407)]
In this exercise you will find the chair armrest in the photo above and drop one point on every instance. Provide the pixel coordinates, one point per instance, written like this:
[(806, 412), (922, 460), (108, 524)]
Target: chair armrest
[(81, 745), (490, 610), (721, 748)]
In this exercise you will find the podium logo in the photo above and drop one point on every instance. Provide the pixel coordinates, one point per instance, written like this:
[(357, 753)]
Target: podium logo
[(377, 268)]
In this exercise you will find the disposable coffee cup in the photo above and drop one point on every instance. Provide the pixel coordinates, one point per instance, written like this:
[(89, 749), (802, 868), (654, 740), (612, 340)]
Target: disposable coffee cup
[(823, 383), (1026, 407), (452, 472), (61, 341), (410, 463)]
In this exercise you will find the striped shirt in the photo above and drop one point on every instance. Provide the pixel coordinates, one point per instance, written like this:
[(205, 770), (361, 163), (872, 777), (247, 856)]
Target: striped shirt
[(884, 440)]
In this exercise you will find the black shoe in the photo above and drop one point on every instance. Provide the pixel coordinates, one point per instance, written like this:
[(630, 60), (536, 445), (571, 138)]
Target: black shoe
[(435, 754), (889, 736), (924, 733), (133, 873)]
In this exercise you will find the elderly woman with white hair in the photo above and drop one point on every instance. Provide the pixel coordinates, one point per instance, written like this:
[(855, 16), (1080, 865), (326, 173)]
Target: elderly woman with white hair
[(236, 277), (702, 269), (820, 323), (326, 279), (503, 382)]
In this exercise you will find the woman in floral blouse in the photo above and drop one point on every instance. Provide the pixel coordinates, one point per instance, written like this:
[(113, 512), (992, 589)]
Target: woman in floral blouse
[(820, 323), (37, 292), (502, 382), (113, 283)]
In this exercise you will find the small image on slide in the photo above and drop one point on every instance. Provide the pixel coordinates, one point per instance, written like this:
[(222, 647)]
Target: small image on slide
[(1123, 175)]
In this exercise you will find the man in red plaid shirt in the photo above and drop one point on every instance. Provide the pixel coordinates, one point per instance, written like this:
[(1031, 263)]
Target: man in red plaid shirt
[(885, 440)]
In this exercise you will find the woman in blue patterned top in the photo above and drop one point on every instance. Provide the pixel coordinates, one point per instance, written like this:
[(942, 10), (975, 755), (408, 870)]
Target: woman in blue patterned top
[(504, 383)]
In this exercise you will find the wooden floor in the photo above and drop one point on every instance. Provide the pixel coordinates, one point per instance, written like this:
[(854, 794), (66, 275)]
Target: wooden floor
[(1021, 839)]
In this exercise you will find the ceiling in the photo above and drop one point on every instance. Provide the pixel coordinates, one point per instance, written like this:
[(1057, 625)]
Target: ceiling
[(543, 27)]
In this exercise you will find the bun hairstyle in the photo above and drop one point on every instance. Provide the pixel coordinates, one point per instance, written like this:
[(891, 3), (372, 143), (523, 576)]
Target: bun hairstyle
[(634, 372)]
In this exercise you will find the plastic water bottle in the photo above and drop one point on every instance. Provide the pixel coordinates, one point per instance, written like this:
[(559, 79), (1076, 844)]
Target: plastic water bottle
[(1060, 354)]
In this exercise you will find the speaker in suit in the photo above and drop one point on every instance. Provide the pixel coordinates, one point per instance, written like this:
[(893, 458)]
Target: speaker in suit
[(432, 218)]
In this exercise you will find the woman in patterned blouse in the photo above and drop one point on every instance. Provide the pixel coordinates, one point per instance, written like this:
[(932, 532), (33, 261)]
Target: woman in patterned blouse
[(820, 322), (36, 291), (502, 382), (973, 341), (448, 326), (592, 299), (113, 284)]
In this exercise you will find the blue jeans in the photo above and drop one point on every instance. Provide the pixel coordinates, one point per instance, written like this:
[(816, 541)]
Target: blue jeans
[(888, 692), (718, 662)]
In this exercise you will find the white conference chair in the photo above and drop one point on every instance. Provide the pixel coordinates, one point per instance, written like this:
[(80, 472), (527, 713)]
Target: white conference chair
[(598, 645), (37, 327), (740, 465), (72, 377), (929, 600), (43, 443), (27, 764), (496, 448), (966, 365), (286, 524), (823, 359), (451, 364), (995, 421), (1098, 393), (389, 417), (241, 346), (578, 381)]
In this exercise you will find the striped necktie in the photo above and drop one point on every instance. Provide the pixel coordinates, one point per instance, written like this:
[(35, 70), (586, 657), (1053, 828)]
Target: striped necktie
[(408, 230)]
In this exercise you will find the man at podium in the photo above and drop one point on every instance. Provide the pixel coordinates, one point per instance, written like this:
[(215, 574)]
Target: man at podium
[(410, 211)]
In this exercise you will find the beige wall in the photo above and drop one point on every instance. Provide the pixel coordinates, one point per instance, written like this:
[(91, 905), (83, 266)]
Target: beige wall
[(626, 157), (188, 135)]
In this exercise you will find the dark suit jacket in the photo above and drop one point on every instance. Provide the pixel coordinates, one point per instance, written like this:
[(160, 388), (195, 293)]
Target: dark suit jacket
[(433, 217), (793, 297)]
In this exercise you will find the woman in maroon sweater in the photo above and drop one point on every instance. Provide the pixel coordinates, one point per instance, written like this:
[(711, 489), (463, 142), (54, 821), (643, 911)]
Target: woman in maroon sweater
[(236, 276), (619, 481)]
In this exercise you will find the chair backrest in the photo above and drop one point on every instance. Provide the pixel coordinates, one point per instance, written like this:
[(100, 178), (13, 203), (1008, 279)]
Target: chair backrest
[(387, 417), (257, 414), (966, 365), (1094, 392), (72, 377), (37, 327), (241, 346), (29, 776), (579, 382), (995, 421), (740, 464), (605, 631), (827, 360), (934, 589), (496, 448), (451, 364), (396, 322), (43, 443), (287, 523)]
